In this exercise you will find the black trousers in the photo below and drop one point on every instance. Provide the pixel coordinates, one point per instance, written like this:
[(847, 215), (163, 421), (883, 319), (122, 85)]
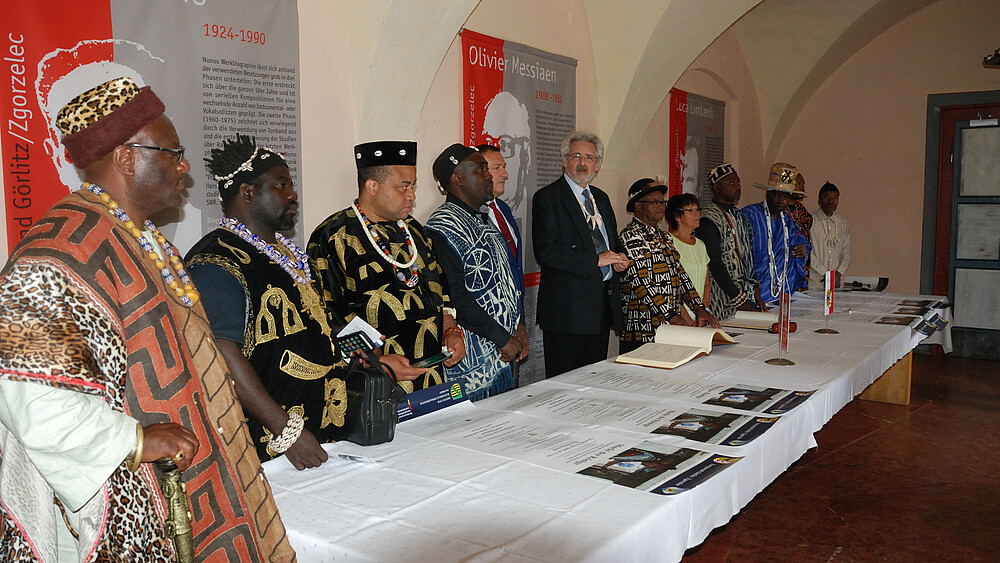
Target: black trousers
[(566, 352)]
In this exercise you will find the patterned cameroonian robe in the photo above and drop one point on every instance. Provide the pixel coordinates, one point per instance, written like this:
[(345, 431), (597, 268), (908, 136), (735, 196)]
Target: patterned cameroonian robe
[(288, 339), (84, 308), (488, 278), (655, 284), (360, 282), (736, 241)]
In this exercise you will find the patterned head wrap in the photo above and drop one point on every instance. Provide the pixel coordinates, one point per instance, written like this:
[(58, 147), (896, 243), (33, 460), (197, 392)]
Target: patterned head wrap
[(240, 161), (720, 172), (107, 115)]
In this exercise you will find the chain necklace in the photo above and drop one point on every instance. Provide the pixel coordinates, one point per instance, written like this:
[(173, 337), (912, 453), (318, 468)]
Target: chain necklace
[(184, 289), (386, 255), (831, 242), (292, 266), (770, 252)]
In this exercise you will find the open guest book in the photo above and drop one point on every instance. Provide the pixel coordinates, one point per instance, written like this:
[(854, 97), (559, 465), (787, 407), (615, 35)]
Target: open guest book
[(675, 346), (752, 319)]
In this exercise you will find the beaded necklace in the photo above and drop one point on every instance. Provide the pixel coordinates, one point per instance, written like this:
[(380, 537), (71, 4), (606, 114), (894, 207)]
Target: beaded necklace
[(770, 251), (386, 255), (732, 229), (186, 293), (299, 262)]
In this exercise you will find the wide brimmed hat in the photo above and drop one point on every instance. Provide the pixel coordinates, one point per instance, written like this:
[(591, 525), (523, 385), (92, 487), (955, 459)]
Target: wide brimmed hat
[(783, 178), (639, 189)]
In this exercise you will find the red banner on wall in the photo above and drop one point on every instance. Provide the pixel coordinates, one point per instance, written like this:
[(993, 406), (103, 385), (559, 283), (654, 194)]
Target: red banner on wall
[(678, 139), (30, 31), (523, 101), (483, 77), (218, 70), (697, 135)]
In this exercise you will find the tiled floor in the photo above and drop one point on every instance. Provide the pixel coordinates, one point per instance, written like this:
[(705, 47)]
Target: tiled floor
[(887, 483)]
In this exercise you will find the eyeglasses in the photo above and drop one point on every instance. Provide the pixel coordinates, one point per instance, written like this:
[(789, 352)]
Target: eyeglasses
[(179, 151), (654, 202), (692, 210), (580, 156)]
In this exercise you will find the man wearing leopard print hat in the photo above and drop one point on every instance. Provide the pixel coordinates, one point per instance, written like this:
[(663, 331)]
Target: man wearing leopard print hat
[(107, 363)]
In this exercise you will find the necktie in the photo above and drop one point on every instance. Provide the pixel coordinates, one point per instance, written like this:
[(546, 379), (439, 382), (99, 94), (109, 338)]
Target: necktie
[(595, 230), (501, 222)]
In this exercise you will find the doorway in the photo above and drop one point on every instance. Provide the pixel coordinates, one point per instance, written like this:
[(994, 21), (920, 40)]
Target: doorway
[(961, 246)]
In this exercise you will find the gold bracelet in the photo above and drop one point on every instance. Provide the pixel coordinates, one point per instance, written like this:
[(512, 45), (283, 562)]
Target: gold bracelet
[(133, 464)]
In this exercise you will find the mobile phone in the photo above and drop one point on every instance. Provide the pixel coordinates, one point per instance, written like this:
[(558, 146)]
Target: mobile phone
[(432, 361), (354, 342)]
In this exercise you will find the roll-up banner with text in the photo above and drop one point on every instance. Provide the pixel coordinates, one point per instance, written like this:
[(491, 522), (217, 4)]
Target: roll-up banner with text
[(220, 67), (523, 101), (697, 140)]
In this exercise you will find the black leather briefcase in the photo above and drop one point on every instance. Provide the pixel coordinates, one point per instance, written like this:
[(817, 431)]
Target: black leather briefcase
[(372, 396)]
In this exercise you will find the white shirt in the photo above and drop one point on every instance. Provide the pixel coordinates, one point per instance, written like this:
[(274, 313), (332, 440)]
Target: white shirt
[(74, 442), (831, 242), (578, 192)]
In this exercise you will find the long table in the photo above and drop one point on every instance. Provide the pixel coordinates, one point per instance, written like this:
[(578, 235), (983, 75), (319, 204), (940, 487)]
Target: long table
[(433, 496)]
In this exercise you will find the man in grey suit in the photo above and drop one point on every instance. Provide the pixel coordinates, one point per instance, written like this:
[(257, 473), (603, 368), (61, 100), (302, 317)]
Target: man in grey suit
[(575, 239)]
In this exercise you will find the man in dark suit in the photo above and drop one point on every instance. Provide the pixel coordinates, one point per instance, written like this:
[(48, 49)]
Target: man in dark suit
[(575, 239), (501, 215)]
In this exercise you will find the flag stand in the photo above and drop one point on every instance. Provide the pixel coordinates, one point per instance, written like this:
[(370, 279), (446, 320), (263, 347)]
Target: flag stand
[(828, 287)]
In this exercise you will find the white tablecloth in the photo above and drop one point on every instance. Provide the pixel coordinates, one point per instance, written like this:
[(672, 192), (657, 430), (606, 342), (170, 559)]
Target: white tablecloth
[(428, 499)]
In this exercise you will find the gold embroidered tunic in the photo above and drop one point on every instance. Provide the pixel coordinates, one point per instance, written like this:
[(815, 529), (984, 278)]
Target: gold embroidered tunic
[(359, 281), (287, 336)]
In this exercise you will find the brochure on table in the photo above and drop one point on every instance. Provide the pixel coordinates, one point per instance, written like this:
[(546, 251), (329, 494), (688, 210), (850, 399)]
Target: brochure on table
[(624, 412), (573, 448), (763, 400), (922, 315)]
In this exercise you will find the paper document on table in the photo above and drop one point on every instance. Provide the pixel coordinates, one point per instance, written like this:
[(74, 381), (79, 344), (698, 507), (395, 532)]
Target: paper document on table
[(591, 407), (548, 443), (659, 468), (751, 398), (615, 410), (573, 448), (717, 428), (767, 400)]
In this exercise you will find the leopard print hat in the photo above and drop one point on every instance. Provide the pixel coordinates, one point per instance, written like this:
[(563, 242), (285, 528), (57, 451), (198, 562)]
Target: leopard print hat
[(107, 115)]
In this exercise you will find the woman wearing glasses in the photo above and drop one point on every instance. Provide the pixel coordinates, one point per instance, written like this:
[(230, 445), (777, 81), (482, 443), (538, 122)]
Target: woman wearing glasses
[(683, 216)]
